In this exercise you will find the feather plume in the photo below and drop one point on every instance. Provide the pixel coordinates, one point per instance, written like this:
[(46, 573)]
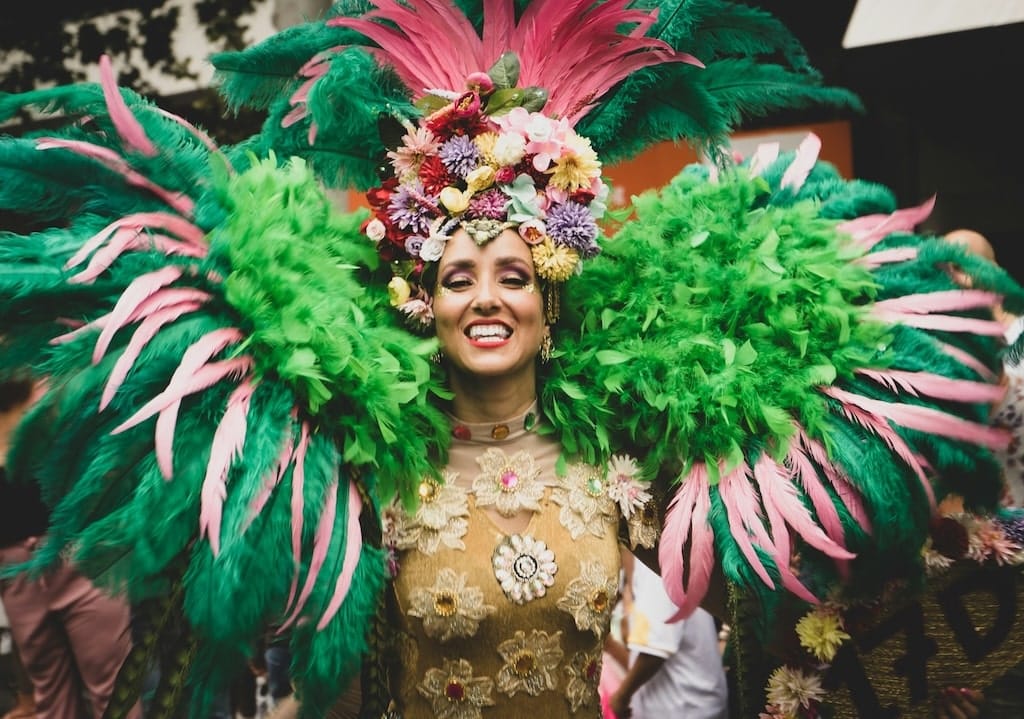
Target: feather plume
[(967, 360), (691, 533), (926, 419), (137, 292), (228, 441), (297, 504), (186, 377), (936, 385), (868, 230), (353, 549), (744, 519), (803, 162), (129, 129), (844, 489), (321, 542)]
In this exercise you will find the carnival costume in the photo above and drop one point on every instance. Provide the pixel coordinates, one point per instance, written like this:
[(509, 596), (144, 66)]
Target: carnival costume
[(241, 385)]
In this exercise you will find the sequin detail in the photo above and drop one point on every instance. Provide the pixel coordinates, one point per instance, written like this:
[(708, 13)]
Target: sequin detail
[(441, 518), (524, 567), (583, 676)]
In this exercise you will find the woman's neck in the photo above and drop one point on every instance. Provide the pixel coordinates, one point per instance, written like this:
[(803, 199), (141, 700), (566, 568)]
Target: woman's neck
[(486, 401)]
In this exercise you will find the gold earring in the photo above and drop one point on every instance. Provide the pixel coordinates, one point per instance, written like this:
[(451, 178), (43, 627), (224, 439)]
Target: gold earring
[(546, 346)]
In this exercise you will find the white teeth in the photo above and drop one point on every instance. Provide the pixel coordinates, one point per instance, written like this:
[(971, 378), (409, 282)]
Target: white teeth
[(489, 331)]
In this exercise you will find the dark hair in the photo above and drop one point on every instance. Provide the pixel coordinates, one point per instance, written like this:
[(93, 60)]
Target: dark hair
[(15, 390)]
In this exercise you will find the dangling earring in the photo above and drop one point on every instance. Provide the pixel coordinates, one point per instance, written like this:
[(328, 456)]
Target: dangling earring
[(546, 346), (438, 356)]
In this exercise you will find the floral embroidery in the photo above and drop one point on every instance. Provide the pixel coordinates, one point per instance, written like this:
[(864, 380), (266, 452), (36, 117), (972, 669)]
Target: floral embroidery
[(624, 487), (586, 506), (450, 608), (644, 527), (583, 675), (524, 567), (531, 663), (441, 518), (509, 484), (453, 691), (590, 598)]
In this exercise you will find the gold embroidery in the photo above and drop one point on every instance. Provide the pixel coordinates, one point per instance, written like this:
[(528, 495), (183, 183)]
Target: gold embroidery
[(450, 608), (588, 598), (441, 518), (508, 483), (454, 693), (583, 676), (586, 506), (531, 663)]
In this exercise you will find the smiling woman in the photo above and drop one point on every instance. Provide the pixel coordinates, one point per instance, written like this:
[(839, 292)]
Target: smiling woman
[(490, 324)]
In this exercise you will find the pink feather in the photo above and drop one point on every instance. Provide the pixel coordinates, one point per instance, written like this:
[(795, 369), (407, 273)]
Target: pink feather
[(353, 547), (127, 126), (701, 556), (228, 440), (321, 542), (744, 521), (143, 334), (765, 154), (848, 494), (926, 419), (943, 323), (778, 491), (110, 159), (805, 473), (885, 257), (273, 479), (936, 385), (802, 164), (869, 230), (942, 301), (967, 360), (184, 381), (155, 220), (676, 532), (197, 133), (134, 294), (206, 376), (298, 480)]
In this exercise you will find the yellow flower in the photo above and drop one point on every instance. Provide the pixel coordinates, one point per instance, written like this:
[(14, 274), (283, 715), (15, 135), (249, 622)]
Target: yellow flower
[(554, 262), (485, 144), (577, 167), (398, 291), (480, 178), (454, 200), (821, 632)]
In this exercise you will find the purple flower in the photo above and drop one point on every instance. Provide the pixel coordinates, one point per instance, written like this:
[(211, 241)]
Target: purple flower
[(571, 224), (413, 244), (460, 155), (411, 209), (1013, 527), (489, 204)]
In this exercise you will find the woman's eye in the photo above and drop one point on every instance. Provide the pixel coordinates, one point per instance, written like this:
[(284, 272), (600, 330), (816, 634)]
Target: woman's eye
[(457, 283), (515, 281)]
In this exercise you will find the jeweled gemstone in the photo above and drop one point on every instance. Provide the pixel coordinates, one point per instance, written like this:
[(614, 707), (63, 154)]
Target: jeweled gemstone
[(454, 691)]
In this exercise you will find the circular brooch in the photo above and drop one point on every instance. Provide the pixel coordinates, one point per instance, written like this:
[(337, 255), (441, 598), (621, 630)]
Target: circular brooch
[(524, 567)]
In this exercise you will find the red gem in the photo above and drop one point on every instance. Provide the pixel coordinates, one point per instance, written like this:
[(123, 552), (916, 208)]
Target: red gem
[(454, 691), (461, 431), (591, 670)]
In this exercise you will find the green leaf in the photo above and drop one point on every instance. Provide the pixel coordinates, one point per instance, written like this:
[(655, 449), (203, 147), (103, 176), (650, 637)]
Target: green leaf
[(534, 98), (505, 72), (429, 104)]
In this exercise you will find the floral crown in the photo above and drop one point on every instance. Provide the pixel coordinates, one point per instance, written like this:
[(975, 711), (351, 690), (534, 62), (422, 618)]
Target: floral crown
[(486, 160)]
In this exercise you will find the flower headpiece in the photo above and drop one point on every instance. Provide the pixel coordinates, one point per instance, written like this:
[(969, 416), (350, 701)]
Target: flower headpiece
[(483, 157), (482, 164)]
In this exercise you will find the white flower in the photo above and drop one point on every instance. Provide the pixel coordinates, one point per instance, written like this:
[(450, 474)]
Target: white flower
[(375, 230), (624, 487), (509, 484), (449, 608), (586, 506), (524, 567), (790, 689), (433, 247), (509, 149), (539, 128), (591, 597)]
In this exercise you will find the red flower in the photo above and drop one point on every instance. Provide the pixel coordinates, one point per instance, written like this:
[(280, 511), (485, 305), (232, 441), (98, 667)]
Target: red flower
[(435, 176), (582, 196)]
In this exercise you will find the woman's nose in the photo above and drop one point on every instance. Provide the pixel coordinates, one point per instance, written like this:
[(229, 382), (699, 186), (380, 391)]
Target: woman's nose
[(486, 299)]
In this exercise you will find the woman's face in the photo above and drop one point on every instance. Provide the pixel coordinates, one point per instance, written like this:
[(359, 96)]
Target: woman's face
[(488, 309)]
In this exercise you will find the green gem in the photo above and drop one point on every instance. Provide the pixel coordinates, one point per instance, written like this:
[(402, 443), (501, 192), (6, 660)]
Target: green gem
[(529, 421)]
